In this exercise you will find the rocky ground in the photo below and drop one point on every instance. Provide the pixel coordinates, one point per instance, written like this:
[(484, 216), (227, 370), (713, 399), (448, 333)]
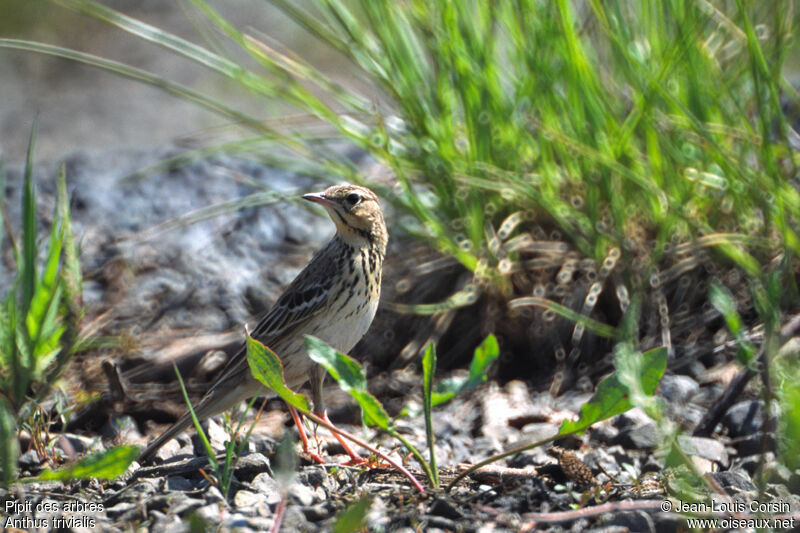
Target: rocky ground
[(171, 291)]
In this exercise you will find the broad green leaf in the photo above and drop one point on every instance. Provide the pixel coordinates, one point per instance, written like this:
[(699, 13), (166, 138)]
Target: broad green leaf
[(353, 517), (343, 368), (267, 368), (350, 377), (612, 397), (483, 357), (104, 465), (373, 412)]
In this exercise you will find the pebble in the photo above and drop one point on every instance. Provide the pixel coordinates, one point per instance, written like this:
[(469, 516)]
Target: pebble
[(744, 418)]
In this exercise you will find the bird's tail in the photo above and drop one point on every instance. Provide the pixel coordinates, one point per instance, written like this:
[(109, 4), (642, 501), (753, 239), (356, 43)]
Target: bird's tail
[(214, 402)]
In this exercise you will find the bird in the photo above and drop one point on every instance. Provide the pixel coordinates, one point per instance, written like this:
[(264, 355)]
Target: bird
[(334, 298)]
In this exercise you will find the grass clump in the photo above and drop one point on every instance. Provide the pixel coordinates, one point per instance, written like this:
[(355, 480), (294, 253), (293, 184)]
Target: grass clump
[(39, 318), (39, 332)]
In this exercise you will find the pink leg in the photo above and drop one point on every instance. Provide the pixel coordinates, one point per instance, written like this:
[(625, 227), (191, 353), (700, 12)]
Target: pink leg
[(296, 417), (355, 459)]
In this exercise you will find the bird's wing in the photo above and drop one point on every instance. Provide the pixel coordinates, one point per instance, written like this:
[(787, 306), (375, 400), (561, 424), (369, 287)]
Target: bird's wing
[(305, 297)]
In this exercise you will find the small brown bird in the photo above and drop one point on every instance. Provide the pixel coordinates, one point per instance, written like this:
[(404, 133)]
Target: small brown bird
[(334, 298)]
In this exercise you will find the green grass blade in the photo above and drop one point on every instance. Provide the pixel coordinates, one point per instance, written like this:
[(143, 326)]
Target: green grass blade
[(212, 458), (9, 445), (428, 371), (29, 235)]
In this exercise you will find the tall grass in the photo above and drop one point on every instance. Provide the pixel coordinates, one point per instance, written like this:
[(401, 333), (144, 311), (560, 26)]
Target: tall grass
[(39, 316), (627, 126)]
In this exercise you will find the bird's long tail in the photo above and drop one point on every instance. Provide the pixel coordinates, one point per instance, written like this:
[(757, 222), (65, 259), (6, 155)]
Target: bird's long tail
[(214, 402)]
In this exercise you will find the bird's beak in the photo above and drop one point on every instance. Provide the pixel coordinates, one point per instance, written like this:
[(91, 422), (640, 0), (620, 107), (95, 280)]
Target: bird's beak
[(317, 198)]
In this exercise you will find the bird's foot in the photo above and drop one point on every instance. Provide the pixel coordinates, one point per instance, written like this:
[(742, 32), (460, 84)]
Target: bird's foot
[(314, 457)]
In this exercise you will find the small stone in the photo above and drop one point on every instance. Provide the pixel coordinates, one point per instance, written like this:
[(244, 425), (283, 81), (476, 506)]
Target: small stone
[(294, 519), (709, 449), (246, 498), (29, 460), (678, 389), (441, 507), (216, 435), (734, 482), (317, 512), (250, 465), (378, 516), (120, 508), (637, 430), (121, 429), (631, 521), (179, 483), (209, 513), (312, 475), (268, 487), (744, 418), (170, 450), (302, 494), (603, 433), (185, 505), (260, 523), (214, 495)]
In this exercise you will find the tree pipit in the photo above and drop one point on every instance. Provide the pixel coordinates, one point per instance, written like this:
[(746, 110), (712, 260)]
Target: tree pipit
[(334, 298)]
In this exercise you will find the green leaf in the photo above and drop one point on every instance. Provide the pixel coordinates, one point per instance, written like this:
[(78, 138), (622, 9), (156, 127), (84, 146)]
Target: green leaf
[(353, 517), (105, 465), (343, 368), (428, 370), (612, 397), (484, 355), (482, 358), (72, 272), (372, 410), (350, 377), (27, 264), (267, 368)]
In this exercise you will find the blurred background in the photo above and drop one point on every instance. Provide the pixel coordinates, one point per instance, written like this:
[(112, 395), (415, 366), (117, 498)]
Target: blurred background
[(84, 108)]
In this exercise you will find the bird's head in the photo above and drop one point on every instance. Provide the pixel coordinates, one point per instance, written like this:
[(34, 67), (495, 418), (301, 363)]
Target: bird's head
[(356, 211)]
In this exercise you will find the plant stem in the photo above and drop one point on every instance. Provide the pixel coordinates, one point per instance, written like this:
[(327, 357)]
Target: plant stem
[(503, 455)]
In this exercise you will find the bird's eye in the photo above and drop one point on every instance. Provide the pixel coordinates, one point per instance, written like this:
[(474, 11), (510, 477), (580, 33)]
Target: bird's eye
[(352, 198)]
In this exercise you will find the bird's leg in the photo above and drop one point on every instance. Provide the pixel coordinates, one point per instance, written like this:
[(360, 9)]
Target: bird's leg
[(296, 417), (317, 377)]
